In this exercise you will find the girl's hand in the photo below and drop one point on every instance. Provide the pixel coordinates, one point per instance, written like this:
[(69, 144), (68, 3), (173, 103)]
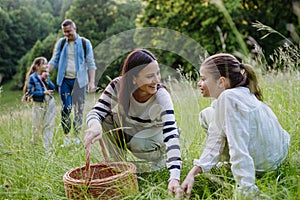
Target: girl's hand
[(48, 92), (175, 189), (189, 181), (188, 185)]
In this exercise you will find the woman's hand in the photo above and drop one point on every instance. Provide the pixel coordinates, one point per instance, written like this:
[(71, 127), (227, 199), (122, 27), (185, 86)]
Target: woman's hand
[(175, 189), (92, 134)]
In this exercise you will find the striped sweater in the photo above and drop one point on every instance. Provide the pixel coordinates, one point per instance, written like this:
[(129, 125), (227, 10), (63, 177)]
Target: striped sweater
[(156, 112)]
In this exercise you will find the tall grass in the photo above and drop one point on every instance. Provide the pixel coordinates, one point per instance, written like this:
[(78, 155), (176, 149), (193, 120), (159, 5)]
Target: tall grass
[(27, 173)]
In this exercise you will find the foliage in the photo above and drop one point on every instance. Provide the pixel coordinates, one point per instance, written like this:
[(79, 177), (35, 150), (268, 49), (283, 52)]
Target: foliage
[(286, 56), (100, 21), (27, 173), (277, 15), (219, 25), (41, 48), (24, 23), (196, 18), (6, 49), (215, 25)]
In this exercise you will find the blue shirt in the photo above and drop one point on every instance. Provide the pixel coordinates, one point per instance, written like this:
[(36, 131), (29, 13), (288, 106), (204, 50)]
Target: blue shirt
[(37, 87), (59, 59)]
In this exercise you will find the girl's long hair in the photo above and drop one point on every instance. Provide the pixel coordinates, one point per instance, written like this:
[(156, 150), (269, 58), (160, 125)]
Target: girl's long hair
[(33, 68)]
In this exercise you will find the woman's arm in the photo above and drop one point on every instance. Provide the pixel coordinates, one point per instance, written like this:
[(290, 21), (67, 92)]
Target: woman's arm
[(170, 134), (171, 140), (104, 106)]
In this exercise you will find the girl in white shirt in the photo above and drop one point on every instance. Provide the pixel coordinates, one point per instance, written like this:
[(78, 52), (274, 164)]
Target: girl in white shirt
[(239, 125)]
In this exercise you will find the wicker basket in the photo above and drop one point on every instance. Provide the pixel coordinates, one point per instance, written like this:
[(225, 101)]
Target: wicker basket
[(107, 180)]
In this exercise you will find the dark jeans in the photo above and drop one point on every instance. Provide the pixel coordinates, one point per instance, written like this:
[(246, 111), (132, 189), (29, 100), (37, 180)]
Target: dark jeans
[(71, 96)]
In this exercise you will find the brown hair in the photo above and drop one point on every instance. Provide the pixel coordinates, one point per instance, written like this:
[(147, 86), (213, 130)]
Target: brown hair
[(133, 64), (68, 22), (39, 61), (239, 74)]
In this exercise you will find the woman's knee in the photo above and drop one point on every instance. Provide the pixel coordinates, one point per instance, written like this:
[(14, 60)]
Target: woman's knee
[(148, 148)]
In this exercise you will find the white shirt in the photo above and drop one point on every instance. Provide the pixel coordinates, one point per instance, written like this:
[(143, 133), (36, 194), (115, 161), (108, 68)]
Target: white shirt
[(256, 140), (71, 65)]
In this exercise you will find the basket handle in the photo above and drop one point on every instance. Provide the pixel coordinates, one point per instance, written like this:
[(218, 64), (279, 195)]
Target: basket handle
[(103, 149), (88, 164)]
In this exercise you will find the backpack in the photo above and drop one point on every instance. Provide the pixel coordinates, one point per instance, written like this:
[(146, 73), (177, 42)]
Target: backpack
[(83, 44)]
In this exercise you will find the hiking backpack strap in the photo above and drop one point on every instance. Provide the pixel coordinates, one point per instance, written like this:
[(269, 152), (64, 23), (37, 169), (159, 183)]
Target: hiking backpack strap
[(62, 43), (83, 44)]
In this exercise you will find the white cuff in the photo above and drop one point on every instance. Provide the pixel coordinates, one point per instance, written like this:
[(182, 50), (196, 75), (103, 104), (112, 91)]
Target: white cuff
[(174, 174)]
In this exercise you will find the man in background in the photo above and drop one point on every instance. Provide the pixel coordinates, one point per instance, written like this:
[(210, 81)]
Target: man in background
[(74, 59)]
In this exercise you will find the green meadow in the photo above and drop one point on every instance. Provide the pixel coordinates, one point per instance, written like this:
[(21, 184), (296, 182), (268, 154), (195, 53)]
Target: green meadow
[(27, 173)]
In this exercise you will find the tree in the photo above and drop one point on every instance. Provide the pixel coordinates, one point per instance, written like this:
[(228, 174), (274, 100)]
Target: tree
[(276, 14), (100, 20), (23, 25), (6, 50), (217, 26), (41, 48), (198, 20), (92, 18), (31, 21)]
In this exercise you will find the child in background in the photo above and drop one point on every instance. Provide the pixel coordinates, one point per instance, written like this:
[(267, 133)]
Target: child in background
[(238, 125), (41, 88), (32, 69)]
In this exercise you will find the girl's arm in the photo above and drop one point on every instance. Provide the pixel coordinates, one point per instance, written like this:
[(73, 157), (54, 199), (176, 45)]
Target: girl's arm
[(51, 85), (188, 183), (214, 146), (210, 156)]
